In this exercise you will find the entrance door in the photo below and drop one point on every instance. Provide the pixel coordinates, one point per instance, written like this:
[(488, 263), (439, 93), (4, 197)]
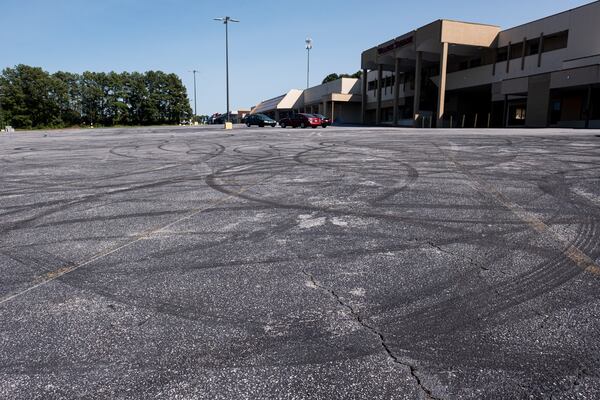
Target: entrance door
[(517, 112)]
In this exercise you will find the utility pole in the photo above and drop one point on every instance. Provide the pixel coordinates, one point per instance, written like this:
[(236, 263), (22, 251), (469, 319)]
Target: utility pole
[(309, 46), (226, 21), (1, 115), (195, 109)]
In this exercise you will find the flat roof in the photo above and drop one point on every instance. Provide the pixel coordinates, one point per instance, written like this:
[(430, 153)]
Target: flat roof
[(552, 16), (490, 25), (412, 32)]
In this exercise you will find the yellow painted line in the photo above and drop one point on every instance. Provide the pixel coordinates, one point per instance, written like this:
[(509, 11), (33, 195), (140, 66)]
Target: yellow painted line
[(572, 252), (62, 271)]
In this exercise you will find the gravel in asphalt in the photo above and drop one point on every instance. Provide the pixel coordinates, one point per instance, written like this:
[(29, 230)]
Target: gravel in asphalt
[(339, 263)]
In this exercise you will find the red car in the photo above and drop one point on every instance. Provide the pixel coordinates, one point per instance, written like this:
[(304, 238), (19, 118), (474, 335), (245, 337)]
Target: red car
[(302, 121), (325, 122)]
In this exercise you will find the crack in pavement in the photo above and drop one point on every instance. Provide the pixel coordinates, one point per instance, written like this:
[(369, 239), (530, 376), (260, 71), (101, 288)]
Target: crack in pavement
[(356, 316)]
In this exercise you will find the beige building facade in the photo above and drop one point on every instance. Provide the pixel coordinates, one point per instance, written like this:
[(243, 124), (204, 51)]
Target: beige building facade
[(339, 100), (449, 73)]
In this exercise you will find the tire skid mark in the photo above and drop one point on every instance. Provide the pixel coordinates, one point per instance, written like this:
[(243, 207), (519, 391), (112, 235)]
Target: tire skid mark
[(566, 265), (58, 273), (412, 174), (70, 184), (595, 200), (24, 223), (212, 181), (572, 252), (168, 142), (62, 205), (465, 311)]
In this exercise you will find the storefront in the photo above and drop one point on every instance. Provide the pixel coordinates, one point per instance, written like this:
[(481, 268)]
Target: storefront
[(448, 73)]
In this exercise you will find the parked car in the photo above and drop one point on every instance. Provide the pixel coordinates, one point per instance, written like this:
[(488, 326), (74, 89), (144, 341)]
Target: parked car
[(217, 119), (260, 120), (301, 120), (325, 121)]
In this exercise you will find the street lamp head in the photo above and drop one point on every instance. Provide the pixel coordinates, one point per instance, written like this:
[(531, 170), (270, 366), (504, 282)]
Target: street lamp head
[(308, 42), (226, 20)]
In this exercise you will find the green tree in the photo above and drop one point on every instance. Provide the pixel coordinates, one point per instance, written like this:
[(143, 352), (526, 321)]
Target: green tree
[(32, 98), (334, 77), (117, 109), (29, 97), (357, 74), (91, 98), (331, 78), (68, 97), (178, 108), (136, 94)]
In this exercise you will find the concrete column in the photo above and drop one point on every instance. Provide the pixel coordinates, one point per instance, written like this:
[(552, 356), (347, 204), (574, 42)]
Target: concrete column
[(538, 101), (523, 53), (505, 113), (396, 90), (325, 108), (508, 56), (588, 107), (417, 102), (332, 112), (379, 92), (540, 49), (442, 86), (365, 75)]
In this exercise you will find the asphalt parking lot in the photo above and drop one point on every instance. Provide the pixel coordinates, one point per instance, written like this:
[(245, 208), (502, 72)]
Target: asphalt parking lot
[(339, 263)]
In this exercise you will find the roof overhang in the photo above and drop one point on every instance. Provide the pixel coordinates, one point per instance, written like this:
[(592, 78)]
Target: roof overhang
[(286, 101), (428, 40), (343, 98)]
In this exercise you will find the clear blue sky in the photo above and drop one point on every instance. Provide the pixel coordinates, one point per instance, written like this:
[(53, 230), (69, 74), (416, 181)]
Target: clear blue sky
[(266, 48)]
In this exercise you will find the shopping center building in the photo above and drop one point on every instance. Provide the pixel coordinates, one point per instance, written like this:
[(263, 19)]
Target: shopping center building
[(339, 100), (541, 74)]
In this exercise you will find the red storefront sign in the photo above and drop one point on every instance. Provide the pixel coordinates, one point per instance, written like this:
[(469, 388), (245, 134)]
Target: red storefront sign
[(396, 45)]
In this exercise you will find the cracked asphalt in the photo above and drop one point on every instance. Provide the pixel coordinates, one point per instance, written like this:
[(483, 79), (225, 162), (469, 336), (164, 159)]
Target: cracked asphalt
[(339, 263)]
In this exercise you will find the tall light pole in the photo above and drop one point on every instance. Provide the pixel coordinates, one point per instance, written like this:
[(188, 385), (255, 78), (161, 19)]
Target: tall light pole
[(194, 71), (309, 46), (226, 21), (2, 126), (1, 115)]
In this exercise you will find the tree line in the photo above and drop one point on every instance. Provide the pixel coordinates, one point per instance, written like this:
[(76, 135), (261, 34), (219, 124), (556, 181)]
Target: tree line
[(335, 77), (33, 98)]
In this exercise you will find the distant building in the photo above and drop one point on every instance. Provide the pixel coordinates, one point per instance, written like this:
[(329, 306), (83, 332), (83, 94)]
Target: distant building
[(339, 100), (241, 114), (544, 73)]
